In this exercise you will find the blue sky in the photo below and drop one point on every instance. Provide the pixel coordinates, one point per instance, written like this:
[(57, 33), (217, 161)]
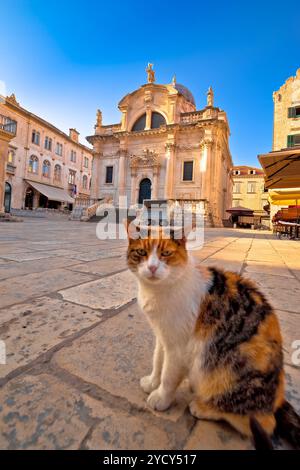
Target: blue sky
[(65, 59)]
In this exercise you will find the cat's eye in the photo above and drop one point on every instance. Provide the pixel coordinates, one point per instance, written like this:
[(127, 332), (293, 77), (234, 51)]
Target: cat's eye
[(166, 253), (141, 252)]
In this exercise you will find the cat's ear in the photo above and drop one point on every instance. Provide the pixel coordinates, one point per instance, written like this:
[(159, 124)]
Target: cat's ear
[(133, 230)]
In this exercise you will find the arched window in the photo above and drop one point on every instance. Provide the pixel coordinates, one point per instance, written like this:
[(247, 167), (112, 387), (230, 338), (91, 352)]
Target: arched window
[(11, 157), (84, 182), (46, 169), (157, 120), (33, 166), (57, 172), (140, 124)]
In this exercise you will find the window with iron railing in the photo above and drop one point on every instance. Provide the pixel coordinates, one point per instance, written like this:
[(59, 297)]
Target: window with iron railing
[(8, 125), (71, 177)]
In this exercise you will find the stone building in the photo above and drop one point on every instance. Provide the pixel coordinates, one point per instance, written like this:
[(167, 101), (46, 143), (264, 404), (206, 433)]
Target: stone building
[(44, 166), (286, 131), (281, 165), (164, 148), (249, 188)]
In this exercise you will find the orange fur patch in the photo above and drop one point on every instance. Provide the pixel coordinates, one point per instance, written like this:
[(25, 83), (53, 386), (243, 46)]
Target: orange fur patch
[(262, 349)]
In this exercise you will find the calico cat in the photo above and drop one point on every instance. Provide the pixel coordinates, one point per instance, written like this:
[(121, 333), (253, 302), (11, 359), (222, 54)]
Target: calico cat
[(218, 330)]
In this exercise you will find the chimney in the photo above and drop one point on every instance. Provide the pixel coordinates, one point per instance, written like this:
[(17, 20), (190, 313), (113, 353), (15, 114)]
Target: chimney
[(73, 134)]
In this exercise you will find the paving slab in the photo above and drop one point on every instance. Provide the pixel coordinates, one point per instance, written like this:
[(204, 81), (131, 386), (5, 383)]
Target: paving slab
[(101, 267), (31, 329), (13, 268), (108, 293), (19, 289), (227, 265), (283, 293), (94, 255), (114, 356), (208, 435), (280, 269)]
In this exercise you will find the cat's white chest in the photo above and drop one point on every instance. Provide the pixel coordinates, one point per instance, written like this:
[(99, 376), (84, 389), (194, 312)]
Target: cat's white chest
[(172, 313)]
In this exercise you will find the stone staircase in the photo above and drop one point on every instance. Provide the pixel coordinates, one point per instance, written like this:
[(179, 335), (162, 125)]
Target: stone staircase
[(85, 209)]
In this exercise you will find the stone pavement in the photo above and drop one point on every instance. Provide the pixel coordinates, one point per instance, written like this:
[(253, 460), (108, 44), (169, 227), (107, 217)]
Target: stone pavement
[(77, 344)]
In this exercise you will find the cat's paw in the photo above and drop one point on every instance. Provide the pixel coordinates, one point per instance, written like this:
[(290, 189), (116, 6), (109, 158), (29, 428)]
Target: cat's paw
[(148, 383), (195, 410), (159, 401)]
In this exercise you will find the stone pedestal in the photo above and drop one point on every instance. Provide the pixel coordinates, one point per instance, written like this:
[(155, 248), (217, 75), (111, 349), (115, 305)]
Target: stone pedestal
[(96, 176)]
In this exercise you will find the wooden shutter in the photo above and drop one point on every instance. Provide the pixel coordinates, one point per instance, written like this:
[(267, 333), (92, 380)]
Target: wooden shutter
[(292, 112), (290, 140)]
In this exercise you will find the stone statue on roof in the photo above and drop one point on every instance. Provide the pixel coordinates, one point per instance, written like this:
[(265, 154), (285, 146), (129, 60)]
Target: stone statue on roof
[(210, 97), (150, 73)]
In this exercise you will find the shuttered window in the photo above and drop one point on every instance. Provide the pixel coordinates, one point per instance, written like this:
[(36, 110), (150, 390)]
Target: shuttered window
[(109, 174), (294, 112), (188, 171), (293, 140)]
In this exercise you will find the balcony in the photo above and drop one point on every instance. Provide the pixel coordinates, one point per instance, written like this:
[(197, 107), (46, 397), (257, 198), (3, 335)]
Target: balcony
[(10, 168), (8, 125)]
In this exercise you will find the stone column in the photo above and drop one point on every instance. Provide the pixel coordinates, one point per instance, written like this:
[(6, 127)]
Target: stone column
[(121, 179), (5, 138), (155, 184), (148, 119), (206, 169), (170, 152), (133, 187)]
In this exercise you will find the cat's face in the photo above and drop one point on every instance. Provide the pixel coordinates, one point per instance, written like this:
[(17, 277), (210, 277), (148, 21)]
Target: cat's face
[(156, 259)]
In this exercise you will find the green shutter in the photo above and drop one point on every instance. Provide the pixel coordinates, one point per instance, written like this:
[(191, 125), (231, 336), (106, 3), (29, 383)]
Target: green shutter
[(292, 112), (290, 140)]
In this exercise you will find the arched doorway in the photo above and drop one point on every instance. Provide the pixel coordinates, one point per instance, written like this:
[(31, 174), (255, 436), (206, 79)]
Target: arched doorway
[(29, 198), (7, 197), (145, 190)]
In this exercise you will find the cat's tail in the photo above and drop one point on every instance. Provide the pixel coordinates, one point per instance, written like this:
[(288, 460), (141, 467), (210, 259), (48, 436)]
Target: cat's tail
[(288, 424), (261, 439)]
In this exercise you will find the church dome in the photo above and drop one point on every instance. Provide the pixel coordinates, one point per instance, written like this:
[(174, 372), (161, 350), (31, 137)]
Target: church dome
[(184, 91)]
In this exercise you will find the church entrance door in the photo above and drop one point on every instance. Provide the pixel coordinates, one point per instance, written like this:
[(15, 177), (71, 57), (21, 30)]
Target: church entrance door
[(7, 197), (145, 190)]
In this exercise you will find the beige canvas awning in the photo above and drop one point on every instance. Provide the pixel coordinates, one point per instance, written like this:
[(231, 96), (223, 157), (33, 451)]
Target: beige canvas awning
[(282, 168), (284, 197), (51, 192)]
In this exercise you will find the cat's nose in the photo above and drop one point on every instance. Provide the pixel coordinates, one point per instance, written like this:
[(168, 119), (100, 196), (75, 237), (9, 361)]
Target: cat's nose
[(152, 268)]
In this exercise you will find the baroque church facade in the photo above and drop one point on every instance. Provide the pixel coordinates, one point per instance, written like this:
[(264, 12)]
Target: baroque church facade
[(164, 148)]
